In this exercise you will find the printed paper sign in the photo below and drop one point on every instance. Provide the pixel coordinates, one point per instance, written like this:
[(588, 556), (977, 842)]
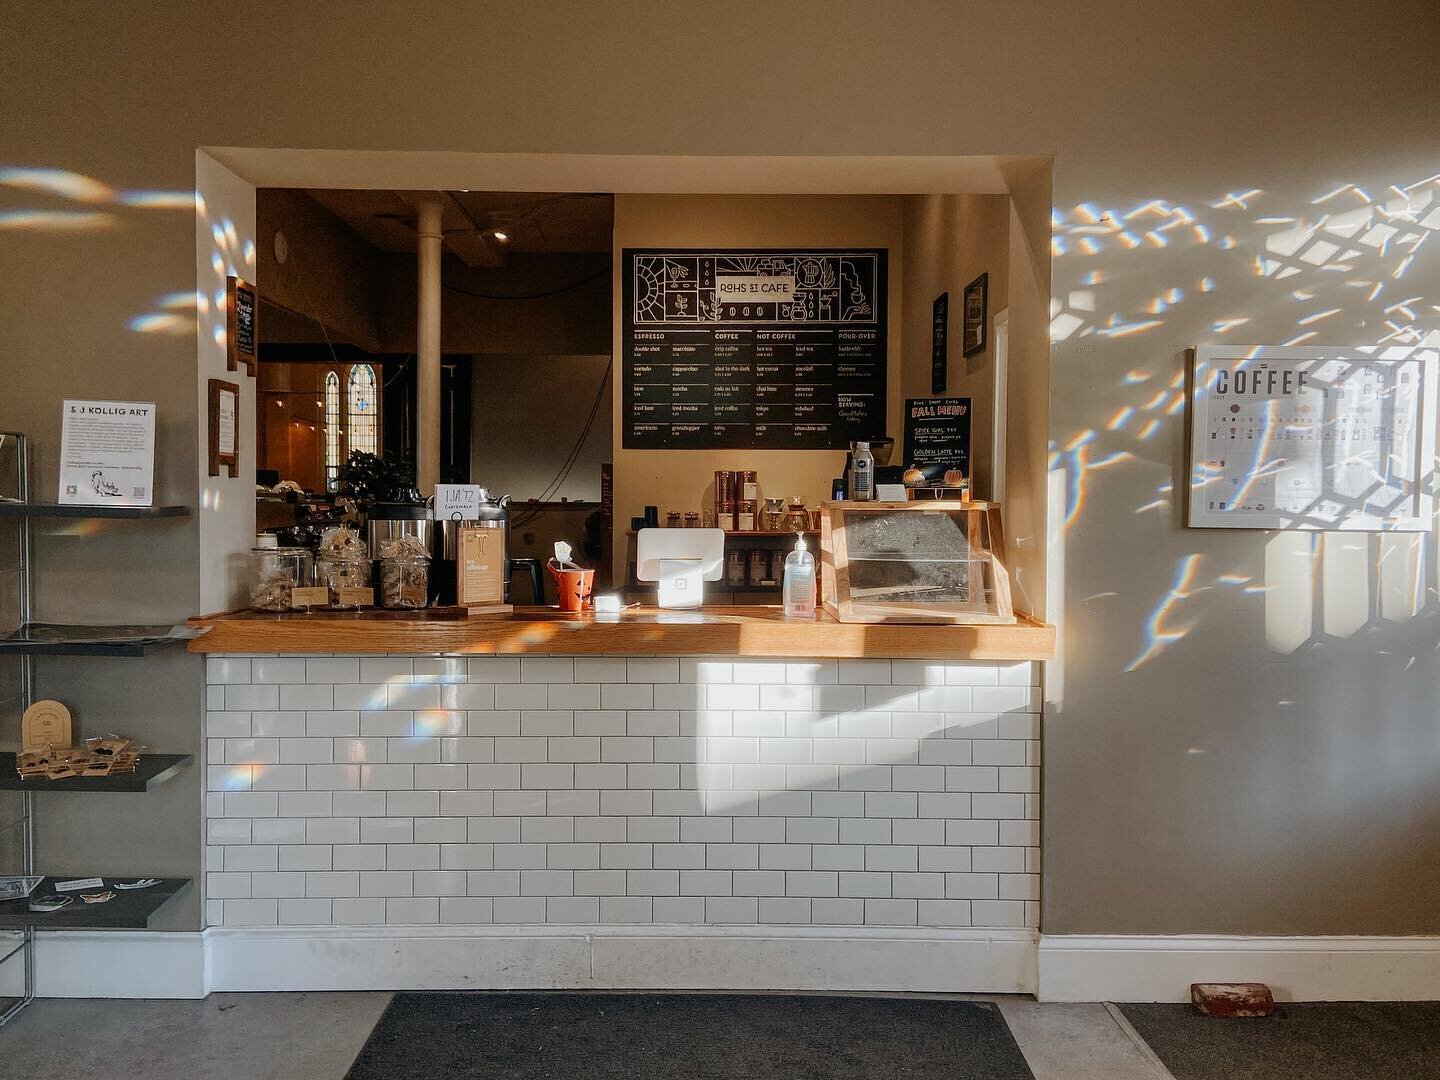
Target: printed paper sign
[(457, 502), (107, 453)]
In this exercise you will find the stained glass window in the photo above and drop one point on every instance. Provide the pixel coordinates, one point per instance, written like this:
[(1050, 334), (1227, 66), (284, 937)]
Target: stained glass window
[(332, 430), (362, 431)]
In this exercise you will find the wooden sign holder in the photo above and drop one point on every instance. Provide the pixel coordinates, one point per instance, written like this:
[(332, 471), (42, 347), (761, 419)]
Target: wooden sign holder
[(480, 571)]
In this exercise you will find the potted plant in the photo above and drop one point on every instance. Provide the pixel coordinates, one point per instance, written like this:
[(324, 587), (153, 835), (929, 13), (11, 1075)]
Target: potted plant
[(384, 487), (371, 479)]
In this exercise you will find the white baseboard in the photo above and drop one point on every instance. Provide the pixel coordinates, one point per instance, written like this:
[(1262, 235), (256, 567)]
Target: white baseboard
[(1070, 968), (1105, 968), (648, 958), (120, 964)]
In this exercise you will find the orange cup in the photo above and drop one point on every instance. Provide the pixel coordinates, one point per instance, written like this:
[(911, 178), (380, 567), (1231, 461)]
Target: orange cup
[(574, 588)]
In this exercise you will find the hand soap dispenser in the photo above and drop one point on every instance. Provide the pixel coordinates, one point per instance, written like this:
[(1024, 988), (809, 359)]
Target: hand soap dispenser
[(798, 592)]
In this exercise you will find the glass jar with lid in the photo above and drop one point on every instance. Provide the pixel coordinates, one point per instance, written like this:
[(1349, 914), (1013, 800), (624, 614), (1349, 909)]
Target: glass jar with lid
[(404, 573), (275, 572), (344, 567)]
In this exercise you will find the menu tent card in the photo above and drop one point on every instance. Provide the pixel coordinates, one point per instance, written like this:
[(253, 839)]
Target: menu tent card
[(480, 576), (107, 453)]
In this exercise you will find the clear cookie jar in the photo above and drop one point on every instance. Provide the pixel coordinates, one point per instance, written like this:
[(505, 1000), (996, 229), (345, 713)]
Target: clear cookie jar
[(276, 572)]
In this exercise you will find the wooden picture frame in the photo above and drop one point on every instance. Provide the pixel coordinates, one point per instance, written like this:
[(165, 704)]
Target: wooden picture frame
[(224, 425), (976, 312), (940, 343), (242, 325)]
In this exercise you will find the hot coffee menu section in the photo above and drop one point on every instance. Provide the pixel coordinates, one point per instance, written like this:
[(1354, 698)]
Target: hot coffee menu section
[(775, 349)]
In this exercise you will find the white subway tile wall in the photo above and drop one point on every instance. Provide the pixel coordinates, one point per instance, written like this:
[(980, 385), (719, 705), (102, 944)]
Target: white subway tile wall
[(349, 790)]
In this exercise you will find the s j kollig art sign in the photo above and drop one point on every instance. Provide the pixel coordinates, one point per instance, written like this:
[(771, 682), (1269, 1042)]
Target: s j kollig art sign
[(107, 453)]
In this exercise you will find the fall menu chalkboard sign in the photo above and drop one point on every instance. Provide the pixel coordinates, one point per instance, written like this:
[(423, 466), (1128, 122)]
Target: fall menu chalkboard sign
[(241, 304), (768, 348), (937, 435)]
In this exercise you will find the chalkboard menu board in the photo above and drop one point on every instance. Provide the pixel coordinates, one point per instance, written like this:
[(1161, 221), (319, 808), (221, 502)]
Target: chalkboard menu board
[(937, 435), (240, 331), (772, 349)]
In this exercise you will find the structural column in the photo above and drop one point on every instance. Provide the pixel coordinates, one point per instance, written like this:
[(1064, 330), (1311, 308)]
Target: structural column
[(427, 347)]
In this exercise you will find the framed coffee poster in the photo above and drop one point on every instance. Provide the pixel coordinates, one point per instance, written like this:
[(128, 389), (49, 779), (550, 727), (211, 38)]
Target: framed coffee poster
[(1315, 439), (242, 304)]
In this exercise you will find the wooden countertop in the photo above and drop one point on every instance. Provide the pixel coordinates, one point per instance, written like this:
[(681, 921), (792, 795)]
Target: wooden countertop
[(710, 631)]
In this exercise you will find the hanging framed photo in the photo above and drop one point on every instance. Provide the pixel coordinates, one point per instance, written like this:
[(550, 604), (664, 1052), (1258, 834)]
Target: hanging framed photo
[(242, 312), (939, 343), (224, 427), (977, 301), (1314, 439)]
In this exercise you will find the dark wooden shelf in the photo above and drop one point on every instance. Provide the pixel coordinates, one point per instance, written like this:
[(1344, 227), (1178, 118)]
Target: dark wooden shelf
[(153, 770), (132, 909), (62, 639), (13, 508)]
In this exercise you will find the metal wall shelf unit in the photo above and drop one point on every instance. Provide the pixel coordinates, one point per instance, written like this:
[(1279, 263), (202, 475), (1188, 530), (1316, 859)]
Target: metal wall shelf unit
[(33, 639)]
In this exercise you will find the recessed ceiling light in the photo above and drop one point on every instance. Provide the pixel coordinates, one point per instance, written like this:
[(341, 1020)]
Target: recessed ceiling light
[(498, 235)]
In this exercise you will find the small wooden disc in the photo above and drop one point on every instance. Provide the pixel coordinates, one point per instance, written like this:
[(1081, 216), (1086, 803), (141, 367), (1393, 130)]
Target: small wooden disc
[(46, 723)]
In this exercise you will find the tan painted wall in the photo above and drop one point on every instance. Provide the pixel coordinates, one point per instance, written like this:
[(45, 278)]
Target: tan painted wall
[(330, 275), (542, 320), (1234, 779), (528, 413), (950, 240), (684, 480)]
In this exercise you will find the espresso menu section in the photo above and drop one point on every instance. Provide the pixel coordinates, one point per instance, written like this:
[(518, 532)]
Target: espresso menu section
[(761, 349)]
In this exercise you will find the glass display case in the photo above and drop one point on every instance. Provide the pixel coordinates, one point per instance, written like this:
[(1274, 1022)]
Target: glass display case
[(914, 562)]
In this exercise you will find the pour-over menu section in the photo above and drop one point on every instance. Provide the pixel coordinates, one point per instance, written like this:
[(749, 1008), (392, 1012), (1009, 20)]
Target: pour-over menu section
[(754, 349)]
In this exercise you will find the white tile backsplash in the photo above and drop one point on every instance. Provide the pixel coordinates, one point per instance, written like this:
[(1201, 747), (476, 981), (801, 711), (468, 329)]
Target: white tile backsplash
[(582, 790)]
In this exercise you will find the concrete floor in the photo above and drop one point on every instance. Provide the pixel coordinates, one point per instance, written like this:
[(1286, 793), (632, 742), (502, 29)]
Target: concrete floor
[(316, 1036)]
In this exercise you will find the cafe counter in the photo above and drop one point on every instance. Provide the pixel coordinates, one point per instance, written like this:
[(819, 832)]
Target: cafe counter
[(683, 770), (711, 631)]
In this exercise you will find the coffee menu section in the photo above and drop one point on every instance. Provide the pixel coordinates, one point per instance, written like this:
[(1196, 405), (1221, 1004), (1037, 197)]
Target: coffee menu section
[(755, 348)]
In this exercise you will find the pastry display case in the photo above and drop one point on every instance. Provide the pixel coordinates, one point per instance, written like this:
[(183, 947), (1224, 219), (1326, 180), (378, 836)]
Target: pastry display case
[(932, 561)]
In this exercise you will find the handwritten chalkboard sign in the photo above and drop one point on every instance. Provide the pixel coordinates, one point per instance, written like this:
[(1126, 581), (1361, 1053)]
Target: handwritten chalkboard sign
[(939, 343), (242, 303), (937, 435), (750, 348)]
